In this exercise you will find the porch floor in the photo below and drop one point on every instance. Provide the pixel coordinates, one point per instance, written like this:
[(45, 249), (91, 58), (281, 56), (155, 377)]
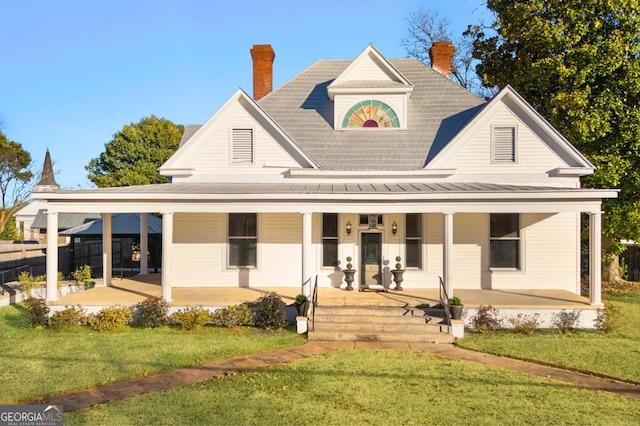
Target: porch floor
[(129, 291)]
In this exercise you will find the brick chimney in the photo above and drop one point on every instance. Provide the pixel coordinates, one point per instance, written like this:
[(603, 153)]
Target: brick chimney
[(441, 55), (263, 56)]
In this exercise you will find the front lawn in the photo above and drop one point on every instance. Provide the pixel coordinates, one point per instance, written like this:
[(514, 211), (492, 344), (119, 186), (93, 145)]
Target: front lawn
[(366, 387), (40, 362), (613, 355)]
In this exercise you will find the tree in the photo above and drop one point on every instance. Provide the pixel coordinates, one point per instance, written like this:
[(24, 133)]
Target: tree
[(15, 175), (134, 154), (427, 27), (578, 63)]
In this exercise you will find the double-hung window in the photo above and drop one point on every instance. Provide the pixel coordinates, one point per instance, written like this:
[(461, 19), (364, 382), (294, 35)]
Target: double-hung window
[(505, 240), (330, 239), (413, 240), (243, 239)]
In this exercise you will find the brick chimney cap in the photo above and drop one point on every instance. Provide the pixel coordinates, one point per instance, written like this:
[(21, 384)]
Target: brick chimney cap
[(263, 52)]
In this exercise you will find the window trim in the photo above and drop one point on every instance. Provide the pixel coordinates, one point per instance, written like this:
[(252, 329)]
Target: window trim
[(419, 238), (336, 239), (499, 144), (238, 237), (520, 239)]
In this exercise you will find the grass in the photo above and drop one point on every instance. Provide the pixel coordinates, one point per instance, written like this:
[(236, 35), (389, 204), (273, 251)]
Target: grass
[(357, 387), (614, 355), (40, 362), (370, 387)]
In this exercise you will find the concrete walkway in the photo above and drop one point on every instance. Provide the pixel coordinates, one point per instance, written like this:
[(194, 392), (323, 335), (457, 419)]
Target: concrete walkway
[(185, 376)]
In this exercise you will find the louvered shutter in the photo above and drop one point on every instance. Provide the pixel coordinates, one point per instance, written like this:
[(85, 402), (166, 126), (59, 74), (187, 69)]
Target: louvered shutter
[(503, 144), (242, 150)]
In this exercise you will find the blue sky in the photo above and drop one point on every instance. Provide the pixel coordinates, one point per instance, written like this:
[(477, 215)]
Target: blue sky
[(75, 71)]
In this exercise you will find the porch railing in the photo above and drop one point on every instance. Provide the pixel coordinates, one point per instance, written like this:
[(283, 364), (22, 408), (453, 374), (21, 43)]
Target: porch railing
[(314, 303), (444, 302)]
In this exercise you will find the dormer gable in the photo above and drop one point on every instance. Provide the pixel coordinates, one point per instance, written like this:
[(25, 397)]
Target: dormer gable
[(498, 129), (239, 137), (370, 93)]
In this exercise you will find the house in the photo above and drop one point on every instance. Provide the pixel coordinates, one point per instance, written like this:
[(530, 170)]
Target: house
[(369, 159), (27, 215)]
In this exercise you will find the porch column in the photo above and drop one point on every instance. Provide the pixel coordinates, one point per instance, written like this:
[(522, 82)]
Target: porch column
[(52, 256), (447, 251), (306, 253), (167, 255), (595, 257), (144, 244), (107, 249)]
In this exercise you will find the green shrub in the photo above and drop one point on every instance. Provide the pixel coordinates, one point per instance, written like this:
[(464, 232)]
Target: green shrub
[(82, 275), (525, 325), (28, 283), (485, 320), (608, 319), (233, 316), (565, 321), (151, 313), (37, 311), (111, 318), (270, 315), (68, 319), (192, 318)]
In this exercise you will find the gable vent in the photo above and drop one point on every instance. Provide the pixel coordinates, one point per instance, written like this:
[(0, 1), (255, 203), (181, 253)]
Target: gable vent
[(242, 146), (503, 144)]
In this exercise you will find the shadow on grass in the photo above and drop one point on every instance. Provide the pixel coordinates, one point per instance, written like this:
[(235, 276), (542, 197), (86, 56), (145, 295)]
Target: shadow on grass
[(18, 319)]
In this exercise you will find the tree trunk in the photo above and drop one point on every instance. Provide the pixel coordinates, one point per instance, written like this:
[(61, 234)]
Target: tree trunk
[(611, 272)]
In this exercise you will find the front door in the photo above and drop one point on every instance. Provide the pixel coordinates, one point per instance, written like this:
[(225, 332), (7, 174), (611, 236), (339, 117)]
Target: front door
[(371, 259)]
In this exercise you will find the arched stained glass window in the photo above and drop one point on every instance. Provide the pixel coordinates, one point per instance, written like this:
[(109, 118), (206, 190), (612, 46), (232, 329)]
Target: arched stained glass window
[(371, 114)]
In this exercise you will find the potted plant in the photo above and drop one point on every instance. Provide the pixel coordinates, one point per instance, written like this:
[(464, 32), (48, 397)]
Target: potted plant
[(348, 274), (455, 307), (302, 304), (397, 274)]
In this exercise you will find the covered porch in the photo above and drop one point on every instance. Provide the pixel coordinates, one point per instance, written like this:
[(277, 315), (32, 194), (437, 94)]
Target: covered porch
[(454, 242), (129, 291)]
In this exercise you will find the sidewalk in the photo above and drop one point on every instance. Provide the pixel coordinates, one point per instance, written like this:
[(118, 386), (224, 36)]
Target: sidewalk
[(184, 376)]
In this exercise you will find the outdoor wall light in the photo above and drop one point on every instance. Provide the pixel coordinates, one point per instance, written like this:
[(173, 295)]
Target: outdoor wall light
[(348, 227), (394, 228)]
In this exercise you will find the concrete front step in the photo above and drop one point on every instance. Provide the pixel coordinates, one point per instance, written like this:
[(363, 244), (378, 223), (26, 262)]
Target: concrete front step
[(385, 311), (379, 323), (370, 319), (380, 337), (357, 327)]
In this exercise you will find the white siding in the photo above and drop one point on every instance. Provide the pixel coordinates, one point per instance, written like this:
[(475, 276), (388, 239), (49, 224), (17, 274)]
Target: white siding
[(551, 254), (549, 245), (214, 156), (534, 159), (200, 255), (367, 69), (470, 235), (198, 244)]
